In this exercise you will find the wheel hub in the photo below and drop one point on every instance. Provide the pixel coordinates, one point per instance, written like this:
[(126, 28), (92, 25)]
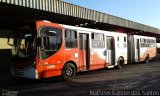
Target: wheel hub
[(69, 71)]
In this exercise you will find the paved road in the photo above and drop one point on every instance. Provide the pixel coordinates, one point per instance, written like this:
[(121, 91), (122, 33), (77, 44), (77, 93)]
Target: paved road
[(133, 77)]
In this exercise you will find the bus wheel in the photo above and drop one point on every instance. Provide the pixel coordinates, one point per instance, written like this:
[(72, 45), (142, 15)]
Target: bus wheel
[(68, 71), (120, 63), (147, 58)]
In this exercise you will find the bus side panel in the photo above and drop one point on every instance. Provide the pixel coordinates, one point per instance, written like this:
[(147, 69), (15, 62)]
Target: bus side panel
[(55, 63), (51, 66), (98, 59), (143, 54), (121, 48), (151, 51), (146, 46), (71, 55)]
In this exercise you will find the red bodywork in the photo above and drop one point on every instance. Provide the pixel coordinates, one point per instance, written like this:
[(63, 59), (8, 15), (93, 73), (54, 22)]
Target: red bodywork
[(55, 63)]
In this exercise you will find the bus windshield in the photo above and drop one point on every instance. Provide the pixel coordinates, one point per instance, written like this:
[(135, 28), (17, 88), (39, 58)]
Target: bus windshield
[(24, 44)]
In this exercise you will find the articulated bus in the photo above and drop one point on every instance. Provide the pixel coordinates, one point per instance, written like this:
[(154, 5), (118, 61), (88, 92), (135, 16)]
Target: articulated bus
[(43, 49), (158, 48)]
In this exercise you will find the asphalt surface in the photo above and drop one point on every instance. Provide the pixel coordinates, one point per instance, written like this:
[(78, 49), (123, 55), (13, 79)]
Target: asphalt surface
[(133, 79)]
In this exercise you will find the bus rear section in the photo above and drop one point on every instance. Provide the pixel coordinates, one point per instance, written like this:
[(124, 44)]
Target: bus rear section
[(141, 48), (158, 47)]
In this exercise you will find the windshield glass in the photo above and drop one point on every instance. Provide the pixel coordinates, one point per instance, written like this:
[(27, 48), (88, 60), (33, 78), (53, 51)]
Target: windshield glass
[(24, 44)]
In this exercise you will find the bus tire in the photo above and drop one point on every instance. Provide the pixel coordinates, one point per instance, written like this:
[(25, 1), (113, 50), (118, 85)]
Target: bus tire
[(120, 63), (68, 71), (147, 58)]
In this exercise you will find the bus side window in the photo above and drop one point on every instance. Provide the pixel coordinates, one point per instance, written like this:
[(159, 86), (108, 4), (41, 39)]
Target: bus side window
[(51, 41), (98, 40), (71, 39)]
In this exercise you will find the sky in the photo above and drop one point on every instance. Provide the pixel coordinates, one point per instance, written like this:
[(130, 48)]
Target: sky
[(142, 11)]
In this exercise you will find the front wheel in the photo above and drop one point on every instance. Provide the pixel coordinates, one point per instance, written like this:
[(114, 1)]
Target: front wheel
[(68, 71)]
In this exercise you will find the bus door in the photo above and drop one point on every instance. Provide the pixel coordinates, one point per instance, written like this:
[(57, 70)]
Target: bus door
[(130, 48), (84, 51), (110, 50), (137, 50)]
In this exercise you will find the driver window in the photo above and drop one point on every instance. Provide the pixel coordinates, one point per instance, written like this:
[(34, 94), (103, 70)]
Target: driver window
[(51, 41)]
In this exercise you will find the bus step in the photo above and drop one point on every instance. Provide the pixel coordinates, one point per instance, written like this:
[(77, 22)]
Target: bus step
[(110, 66)]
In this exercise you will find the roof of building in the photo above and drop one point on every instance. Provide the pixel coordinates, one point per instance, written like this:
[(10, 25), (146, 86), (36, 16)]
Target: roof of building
[(67, 9)]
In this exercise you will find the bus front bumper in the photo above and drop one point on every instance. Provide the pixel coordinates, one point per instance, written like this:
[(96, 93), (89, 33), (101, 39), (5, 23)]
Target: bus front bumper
[(28, 72)]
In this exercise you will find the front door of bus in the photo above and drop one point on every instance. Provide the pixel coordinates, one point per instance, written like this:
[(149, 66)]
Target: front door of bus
[(109, 50), (84, 55), (137, 50)]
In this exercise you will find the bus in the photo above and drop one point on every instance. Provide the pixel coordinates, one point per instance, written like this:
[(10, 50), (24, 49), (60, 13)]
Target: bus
[(158, 48), (42, 49)]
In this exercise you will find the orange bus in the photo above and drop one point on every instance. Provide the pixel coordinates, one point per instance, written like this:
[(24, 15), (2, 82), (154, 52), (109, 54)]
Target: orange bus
[(43, 49)]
